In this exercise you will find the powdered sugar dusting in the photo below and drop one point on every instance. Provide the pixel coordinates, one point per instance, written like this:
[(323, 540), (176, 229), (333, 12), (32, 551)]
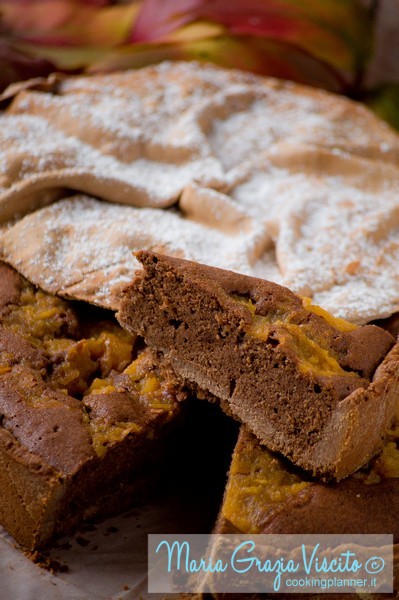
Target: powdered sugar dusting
[(277, 180), (86, 245)]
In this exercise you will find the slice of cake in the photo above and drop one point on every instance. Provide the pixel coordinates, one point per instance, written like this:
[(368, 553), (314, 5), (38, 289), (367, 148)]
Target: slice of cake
[(265, 494), (317, 389), (84, 413)]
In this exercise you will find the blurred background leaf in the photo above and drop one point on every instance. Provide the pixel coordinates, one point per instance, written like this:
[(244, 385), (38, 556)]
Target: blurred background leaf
[(337, 32), (278, 37), (261, 56), (326, 43), (17, 66), (384, 100), (67, 23)]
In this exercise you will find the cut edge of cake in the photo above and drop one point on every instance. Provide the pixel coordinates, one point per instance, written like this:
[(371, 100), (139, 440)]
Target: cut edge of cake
[(207, 324)]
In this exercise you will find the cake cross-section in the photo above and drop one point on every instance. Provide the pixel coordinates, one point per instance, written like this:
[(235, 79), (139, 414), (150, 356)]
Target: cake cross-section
[(265, 494), (317, 389), (86, 416)]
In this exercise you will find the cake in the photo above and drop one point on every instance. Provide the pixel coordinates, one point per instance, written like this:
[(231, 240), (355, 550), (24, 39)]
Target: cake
[(263, 177), (269, 178), (265, 494), (317, 389), (85, 414)]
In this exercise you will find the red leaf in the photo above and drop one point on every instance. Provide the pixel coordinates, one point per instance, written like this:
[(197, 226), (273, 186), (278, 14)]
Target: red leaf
[(265, 57), (68, 23), (337, 32), (158, 18)]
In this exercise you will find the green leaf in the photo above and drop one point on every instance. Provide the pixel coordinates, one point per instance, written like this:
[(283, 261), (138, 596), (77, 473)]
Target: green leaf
[(385, 102)]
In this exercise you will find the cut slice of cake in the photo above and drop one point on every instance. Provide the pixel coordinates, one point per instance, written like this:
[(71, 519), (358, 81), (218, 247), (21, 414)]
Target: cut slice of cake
[(317, 389), (265, 494), (84, 413)]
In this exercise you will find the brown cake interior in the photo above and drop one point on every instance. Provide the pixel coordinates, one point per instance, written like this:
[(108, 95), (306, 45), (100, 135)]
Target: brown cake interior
[(84, 412), (317, 389), (267, 494)]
